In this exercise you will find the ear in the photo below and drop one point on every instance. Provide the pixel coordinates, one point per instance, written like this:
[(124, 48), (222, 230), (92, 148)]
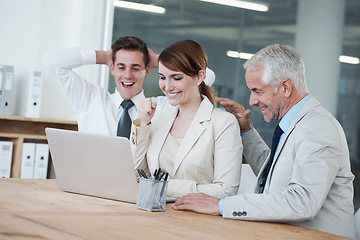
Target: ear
[(112, 69), (147, 71), (200, 77), (286, 87)]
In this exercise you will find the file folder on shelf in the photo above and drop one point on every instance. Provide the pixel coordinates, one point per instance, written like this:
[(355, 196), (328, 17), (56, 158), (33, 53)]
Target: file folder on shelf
[(33, 103), (27, 160), (6, 86), (6, 148), (41, 161)]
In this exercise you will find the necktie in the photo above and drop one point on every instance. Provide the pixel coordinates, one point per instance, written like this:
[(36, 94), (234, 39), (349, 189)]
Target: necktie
[(124, 125), (276, 137)]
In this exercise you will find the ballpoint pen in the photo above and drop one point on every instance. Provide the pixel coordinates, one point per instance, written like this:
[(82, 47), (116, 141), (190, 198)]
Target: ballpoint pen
[(161, 175), (139, 172), (143, 173)]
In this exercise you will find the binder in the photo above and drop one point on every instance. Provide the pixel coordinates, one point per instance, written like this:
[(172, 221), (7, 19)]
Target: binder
[(41, 161), (6, 149), (33, 103), (27, 160), (6, 86)]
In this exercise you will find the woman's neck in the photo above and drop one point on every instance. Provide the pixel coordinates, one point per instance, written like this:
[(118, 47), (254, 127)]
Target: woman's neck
[(189, 109), (185, 117)]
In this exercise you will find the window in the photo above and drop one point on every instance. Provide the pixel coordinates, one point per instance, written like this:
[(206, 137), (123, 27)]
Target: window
[(219, 28)]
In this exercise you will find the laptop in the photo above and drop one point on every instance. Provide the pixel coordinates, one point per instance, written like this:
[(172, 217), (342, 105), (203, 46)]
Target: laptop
[(94, 165)]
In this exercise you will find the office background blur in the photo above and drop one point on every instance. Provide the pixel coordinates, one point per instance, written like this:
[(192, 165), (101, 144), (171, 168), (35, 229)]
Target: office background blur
[(322, 31)]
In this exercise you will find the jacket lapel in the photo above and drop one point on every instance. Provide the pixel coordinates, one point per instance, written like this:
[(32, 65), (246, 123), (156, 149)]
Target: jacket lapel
[(310, 104), (163, 129), (194, 132)]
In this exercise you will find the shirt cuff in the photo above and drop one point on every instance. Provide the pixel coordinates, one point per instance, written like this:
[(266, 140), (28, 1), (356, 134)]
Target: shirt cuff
[(221, 206), (88, 56), (242, 134)]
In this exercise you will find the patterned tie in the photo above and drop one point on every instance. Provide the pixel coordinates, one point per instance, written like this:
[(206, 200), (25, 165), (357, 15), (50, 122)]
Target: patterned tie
[(124, 125), (277, 134)]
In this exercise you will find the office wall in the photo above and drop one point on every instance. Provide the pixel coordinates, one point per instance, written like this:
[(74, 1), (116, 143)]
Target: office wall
[(31, 28)]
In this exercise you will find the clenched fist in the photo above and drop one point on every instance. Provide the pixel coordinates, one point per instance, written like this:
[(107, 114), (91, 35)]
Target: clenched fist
[(146, 111)]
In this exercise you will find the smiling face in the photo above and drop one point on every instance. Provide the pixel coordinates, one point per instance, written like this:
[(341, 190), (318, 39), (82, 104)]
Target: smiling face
[(272, 104), (179, 88), (129, 71)]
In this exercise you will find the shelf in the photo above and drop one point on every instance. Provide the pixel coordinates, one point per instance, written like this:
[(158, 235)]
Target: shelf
[(19, 129)]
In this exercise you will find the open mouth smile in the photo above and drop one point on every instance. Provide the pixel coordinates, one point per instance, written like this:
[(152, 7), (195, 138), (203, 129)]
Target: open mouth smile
[(127, 84)]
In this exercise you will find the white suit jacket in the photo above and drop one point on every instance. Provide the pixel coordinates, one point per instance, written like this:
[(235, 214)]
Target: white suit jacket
[(209, 157), (310, 181)]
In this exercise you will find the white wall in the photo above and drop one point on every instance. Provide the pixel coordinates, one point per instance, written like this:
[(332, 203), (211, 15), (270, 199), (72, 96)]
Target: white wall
[(31, 28)]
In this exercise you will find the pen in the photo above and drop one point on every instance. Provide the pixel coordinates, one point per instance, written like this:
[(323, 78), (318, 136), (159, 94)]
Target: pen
[(139, 172), (143, 173), (161, 175), (155, 173), (166, 177), (158, 173), (163, 186)]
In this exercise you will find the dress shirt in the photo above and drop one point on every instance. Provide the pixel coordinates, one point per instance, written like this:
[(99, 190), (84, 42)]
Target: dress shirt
[(97, 110)]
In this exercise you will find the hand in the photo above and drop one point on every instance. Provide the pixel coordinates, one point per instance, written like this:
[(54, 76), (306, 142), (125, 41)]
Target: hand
[(104, 57), (146, 111), (154, 59), (198, 202), (238, 110), (109, 60)]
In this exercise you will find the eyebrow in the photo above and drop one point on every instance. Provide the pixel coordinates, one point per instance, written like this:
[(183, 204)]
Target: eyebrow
[(172, 75), (132, 65)]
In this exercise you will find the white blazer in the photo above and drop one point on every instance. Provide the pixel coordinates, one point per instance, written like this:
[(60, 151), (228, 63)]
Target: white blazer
[(310, 181), (209, 157)]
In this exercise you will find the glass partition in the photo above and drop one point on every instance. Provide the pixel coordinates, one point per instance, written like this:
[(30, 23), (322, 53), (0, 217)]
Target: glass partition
[(219, 29)]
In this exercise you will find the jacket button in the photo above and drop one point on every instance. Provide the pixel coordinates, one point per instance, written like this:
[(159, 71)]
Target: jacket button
[(239, 213), (244, 213), (235, 214)]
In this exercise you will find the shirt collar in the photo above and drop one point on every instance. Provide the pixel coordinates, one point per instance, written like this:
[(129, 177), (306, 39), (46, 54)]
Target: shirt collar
[(116, 97), (286, 121)]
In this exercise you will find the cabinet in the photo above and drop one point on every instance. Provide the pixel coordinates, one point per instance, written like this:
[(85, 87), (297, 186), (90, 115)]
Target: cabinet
[(19, 130)]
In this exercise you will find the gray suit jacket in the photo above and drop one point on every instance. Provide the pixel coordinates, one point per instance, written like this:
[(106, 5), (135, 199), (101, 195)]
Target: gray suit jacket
[(208, 159), (310, 181)]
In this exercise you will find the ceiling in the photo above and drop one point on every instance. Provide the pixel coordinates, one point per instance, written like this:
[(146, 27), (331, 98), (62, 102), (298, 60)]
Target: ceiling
[(226, 25)]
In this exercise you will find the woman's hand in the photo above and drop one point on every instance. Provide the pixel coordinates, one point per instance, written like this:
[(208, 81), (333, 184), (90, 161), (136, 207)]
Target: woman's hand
[(146, 111)]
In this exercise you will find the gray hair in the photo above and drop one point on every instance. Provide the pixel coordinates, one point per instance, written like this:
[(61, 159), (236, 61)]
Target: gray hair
[(279, 62)]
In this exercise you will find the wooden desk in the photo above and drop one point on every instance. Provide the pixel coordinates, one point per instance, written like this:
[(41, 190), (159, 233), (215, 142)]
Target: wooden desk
[(37, 209)]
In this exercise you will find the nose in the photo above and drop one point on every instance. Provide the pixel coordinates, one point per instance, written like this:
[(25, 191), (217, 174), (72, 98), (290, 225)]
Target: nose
[(128, 74), (253, 100), (168, 85)]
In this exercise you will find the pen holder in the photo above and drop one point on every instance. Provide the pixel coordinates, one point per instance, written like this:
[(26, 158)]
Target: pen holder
[(152, 194)]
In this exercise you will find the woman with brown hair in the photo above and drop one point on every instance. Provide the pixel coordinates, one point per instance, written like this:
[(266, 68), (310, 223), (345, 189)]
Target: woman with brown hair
[(198, 144)]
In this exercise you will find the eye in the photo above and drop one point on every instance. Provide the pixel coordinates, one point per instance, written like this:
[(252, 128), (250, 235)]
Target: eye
[(136, 69), (161, 77), (177, 78), (122, 68)]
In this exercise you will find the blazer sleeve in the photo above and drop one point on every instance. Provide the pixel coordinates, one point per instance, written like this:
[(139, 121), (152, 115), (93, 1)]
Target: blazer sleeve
[(139, 143), (318, 154), (256, 151)]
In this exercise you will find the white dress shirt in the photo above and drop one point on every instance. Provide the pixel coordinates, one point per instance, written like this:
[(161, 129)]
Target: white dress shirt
[(97, 110)]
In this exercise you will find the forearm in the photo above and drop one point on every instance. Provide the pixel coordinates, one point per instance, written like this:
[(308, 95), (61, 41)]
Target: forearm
[(139, 142), (102, 57), (256, 151), (180, 187)]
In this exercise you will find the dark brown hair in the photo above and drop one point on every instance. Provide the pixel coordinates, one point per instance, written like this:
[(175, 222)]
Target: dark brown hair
[(132, 44), (188, 57)]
